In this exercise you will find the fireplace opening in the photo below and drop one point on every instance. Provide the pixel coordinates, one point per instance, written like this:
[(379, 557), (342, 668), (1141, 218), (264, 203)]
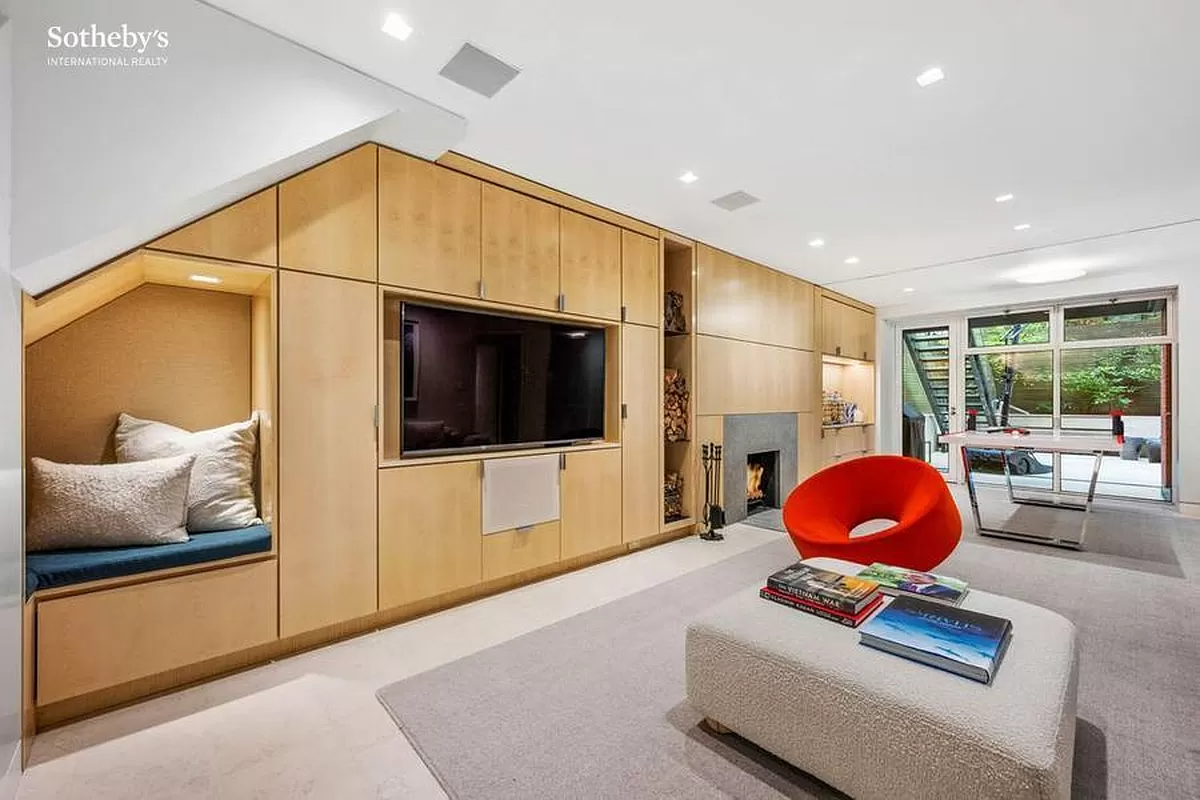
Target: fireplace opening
[(762, 481)]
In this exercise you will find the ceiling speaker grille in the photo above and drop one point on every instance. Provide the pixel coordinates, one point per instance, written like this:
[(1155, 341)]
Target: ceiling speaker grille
[(735, 200), (478, 71)]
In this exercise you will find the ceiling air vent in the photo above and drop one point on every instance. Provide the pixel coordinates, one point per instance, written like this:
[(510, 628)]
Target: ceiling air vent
[(478, 71), (735, 200)]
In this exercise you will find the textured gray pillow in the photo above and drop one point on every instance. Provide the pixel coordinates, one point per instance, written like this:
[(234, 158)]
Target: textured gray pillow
[(222, 492), (107, 505)]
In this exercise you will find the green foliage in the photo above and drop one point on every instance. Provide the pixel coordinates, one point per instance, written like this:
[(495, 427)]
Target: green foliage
[(1103, 380)]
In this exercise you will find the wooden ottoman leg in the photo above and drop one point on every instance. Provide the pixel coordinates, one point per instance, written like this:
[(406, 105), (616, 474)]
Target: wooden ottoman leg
[(715, 727)]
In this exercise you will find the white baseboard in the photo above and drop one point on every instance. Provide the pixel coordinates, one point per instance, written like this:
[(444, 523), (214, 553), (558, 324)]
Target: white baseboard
[(12, 776), (1190, 509)]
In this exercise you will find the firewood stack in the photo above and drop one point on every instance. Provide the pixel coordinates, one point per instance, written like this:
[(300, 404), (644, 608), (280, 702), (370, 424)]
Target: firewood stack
[(673, 318), (673, 496), (675, 406)]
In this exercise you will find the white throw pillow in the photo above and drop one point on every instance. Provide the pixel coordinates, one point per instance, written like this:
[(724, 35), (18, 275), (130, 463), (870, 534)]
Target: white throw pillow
[(222, 492), (107, 505)]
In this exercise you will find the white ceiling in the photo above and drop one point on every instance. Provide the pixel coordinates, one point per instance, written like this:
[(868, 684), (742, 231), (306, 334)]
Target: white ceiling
[(1084, 109)]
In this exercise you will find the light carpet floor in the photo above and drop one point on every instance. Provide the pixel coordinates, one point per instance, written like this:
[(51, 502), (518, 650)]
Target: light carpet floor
[(593, 706)]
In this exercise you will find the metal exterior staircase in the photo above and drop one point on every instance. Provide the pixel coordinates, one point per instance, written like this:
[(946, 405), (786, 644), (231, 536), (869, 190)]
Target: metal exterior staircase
[(930, 353)]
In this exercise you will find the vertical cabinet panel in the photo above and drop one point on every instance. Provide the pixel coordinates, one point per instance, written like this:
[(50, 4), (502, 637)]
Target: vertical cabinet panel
[(327, 217), (846, 330), (590, 266), (591, 502), (429, 226), (641, 433), (327, 459), (430, 521), (640, 294), (520, 249), (244, 231)]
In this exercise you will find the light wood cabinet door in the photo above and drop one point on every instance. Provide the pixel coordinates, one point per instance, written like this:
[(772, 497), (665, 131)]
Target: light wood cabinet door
[(864, 334), (327, 217), (244, 231), (510, 552), (831, 326), (590, 266), (640, 292), (641, 433), (430, 523), (429, 226), (591, 502), (520, 249), (327, 458)]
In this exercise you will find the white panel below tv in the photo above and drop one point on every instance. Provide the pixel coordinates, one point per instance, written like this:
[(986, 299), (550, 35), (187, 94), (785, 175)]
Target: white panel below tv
[(519, 492)]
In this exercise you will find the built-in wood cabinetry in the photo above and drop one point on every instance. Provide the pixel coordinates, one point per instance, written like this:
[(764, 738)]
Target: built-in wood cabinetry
[(846, 442), (510, 552), (430, 522), (641, 432), (847, 330), (327, 217), (520, 249), (590, 495), (244, 231), (327, 457), (429, 226), (640, 265), (92, 641), (738, 299), (738, 377), (590, 266)]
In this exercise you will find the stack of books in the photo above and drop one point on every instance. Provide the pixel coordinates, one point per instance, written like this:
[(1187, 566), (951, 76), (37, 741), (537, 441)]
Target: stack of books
[(841, 598), (964, 642), (899, 581)]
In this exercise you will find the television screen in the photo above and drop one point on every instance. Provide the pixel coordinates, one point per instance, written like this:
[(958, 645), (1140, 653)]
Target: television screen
[(474, 380)]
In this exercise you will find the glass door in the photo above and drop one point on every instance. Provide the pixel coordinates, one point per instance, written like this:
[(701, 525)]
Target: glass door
[(929, 394)]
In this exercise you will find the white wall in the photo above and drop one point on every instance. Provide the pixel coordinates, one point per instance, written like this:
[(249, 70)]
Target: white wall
[(1187, 374), (107, 158), (12, 526)]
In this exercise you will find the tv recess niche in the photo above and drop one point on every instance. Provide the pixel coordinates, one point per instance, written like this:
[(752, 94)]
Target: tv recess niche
[(471, 380)]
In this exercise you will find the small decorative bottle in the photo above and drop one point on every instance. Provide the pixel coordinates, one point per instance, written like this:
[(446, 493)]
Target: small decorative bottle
[(1118, 427)]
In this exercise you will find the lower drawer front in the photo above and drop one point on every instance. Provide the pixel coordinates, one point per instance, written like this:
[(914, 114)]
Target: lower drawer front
[(100, 639), (515, 551)]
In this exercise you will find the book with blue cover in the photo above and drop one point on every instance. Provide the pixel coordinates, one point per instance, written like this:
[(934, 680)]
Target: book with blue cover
[(964, 642)]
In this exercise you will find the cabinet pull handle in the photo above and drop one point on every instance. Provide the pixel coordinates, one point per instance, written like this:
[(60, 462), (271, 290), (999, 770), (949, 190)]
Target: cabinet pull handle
[(837, 351), (624, 310), (562, 302), (562, 462), (624, 411), (482, 290)]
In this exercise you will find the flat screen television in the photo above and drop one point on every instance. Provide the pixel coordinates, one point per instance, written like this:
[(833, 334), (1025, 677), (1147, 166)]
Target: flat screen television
[(474, 380)]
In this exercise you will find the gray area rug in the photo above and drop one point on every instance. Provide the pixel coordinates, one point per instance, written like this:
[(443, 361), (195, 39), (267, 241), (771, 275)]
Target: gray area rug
[(593, 706)]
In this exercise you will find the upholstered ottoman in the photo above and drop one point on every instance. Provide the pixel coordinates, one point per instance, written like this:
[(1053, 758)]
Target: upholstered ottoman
[(878, 726)]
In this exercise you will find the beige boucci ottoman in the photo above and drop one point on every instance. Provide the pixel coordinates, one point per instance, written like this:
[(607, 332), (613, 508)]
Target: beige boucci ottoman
[(874, 725)]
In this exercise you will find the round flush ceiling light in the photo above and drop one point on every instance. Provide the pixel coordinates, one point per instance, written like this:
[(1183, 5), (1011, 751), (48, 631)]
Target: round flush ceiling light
[(1048, 273)]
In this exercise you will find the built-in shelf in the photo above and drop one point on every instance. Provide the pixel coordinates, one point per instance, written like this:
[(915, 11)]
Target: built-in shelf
[(677, 524), (673, 334), (677, 441), (847, 425)]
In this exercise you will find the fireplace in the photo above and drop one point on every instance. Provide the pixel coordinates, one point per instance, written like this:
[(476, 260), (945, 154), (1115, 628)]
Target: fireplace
[(762, 481)]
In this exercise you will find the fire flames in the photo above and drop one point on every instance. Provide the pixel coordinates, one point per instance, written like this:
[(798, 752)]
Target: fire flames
[(754, 476)]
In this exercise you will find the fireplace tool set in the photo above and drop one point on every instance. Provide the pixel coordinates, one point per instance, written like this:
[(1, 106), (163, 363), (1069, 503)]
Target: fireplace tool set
[(714, 515)]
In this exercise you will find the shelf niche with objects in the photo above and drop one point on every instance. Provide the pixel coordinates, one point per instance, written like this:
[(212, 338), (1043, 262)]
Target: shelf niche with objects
[(679, 358), (847, 408)]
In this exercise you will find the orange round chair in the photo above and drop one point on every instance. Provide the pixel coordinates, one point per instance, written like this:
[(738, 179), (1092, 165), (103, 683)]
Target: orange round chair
[(821, 512)]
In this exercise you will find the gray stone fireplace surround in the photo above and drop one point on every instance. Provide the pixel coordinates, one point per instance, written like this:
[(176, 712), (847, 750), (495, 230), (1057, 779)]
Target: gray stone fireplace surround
[(756, 433)]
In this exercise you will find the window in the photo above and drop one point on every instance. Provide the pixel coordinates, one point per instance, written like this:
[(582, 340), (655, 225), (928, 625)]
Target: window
[(1032, 375), (1132, 319), (1006, 330), (1098, 380)]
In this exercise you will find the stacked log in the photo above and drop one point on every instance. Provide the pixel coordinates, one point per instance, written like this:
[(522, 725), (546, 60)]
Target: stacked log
[(674, 320), (675, 406), (673, 496)]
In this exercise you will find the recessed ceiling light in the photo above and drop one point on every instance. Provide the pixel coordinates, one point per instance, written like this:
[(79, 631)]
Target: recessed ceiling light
[(1003, 198), (689, 177), (1024, 226), (930, 76), (1051, 272), (852, 260), (816, 243), (394, 25), (909, 290), (204, 278)]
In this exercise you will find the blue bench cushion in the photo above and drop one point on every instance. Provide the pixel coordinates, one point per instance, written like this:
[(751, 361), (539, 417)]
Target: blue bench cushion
[(53, 568)]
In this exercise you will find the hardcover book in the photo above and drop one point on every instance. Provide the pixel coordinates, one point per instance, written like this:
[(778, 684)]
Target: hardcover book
[(900, 581), (844, 593), (818, 610), (964, 642)]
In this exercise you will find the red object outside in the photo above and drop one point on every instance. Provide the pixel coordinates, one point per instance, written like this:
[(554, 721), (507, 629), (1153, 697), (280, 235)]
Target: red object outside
[(820, 513)]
